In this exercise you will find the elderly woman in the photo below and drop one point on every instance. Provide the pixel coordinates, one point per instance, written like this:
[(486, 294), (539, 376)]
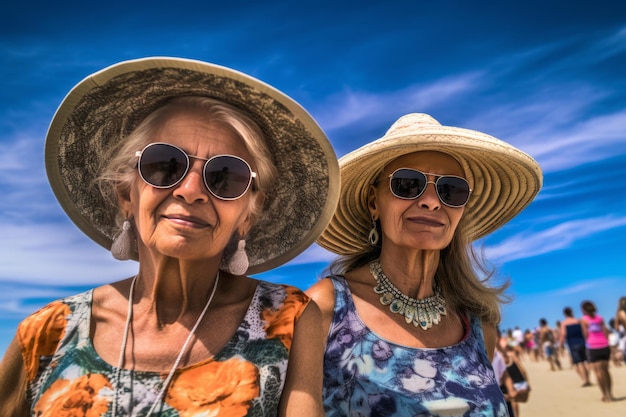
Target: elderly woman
[(410, 323), (203, 175)]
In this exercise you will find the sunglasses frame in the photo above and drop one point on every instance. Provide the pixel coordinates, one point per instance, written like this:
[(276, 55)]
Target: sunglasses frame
[(253, 174), (437, 178)]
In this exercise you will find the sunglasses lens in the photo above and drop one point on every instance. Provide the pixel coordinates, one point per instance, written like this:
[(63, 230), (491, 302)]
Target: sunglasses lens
[(162, 165), (453, 191), (407, 183), (227, 177)]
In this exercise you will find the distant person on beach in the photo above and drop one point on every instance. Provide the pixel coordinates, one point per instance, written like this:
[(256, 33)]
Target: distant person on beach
[(531, 345), (518, 374), (614, 339), (546, 341), (500, 364), (572, 335), (518, 335), (558, 345), (598, 351)]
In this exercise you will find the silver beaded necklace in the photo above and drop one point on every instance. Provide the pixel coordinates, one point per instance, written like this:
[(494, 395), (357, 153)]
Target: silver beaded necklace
[(167, 381), (424, 312)]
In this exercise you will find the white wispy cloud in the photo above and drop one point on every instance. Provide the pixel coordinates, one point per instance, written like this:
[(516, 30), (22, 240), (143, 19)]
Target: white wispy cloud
[(554, 122), (561, 236), (57, 254), (351, 107)]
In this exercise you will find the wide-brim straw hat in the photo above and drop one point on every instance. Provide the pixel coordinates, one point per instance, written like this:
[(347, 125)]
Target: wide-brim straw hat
[(106, 106), (504, 180)]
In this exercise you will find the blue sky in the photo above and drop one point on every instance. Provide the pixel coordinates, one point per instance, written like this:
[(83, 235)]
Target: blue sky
[(547, 77)]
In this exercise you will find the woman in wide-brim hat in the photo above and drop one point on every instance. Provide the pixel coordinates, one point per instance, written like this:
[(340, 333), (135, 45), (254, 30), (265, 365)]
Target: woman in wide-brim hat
[(410, 318), (203, 175)]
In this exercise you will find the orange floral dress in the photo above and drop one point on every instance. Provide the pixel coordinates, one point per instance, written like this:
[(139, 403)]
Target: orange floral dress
[(67, 378)]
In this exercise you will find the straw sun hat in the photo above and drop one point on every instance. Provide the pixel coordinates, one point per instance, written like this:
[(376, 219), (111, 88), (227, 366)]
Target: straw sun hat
[(504, 180), (106, 106)]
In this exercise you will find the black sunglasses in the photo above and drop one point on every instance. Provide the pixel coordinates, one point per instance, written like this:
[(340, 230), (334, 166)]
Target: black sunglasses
[(162, 165), (409, 184)]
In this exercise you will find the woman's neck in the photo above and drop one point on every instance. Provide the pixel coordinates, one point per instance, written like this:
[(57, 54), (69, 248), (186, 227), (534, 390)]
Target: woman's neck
[(173, 288), (413, 274)]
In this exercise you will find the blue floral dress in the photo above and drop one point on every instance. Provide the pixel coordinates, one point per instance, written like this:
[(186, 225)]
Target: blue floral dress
[(367, 376), (66, 377)]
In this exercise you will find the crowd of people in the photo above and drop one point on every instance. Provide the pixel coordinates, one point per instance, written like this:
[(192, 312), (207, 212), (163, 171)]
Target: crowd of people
[(589, 344)]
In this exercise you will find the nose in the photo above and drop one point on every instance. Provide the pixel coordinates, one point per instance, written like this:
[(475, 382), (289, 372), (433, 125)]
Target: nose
[(192, 188), (430, 199)]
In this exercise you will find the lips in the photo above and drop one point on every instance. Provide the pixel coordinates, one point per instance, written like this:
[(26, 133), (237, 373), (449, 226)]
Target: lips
[(426, 221), (186, 220)]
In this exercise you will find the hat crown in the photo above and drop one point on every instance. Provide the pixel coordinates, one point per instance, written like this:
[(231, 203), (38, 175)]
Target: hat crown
[(412, 122)]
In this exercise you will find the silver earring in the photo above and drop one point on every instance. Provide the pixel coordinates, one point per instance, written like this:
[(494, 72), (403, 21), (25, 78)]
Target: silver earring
[(124, 246), (374, 236), (238, 263)]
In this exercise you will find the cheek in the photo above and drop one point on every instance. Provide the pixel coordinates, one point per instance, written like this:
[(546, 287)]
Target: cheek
[(455, 217), (390, 217), (144, 204)]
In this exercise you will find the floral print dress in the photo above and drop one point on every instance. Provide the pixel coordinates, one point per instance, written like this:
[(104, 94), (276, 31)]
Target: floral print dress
[(66, 377), (367, 376)]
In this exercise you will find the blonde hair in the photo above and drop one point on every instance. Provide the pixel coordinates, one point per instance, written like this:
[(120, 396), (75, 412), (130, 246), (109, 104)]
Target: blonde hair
[(119, 172)]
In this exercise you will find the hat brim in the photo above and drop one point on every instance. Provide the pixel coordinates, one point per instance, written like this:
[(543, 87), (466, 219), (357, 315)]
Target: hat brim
[(106, 106), (504, 181)]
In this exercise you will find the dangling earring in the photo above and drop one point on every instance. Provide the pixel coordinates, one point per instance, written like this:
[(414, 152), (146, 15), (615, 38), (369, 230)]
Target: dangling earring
[(374, 236), (124, 246), (238, 263)]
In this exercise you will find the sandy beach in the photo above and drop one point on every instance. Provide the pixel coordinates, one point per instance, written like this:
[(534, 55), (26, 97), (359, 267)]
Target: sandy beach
[(559, 393)]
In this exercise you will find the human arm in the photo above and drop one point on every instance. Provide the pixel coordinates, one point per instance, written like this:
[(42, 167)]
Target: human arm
[(13, 383), (605, 329), (584, 326), (562, 332), (507, 381), (302, 393), (323, 293)]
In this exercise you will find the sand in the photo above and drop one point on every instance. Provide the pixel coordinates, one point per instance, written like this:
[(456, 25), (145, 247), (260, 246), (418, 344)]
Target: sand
[(559, 393)]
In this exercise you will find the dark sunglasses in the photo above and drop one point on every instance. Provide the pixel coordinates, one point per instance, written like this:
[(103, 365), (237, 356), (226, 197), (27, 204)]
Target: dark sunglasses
[(162, 165), (409, 184)]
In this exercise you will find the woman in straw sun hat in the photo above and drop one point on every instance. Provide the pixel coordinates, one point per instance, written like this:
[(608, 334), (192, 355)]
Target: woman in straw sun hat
[(410, 321), (203, 175)]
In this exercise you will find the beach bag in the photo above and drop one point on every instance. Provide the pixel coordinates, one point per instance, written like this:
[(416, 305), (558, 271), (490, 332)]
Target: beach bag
[(523, 391)]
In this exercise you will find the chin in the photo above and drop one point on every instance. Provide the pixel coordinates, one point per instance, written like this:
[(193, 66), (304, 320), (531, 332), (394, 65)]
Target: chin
[(427, 243)]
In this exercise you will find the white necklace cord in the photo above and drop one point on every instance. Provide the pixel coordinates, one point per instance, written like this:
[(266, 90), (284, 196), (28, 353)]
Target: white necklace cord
[(180, 354), (120, 361), (184, 348)]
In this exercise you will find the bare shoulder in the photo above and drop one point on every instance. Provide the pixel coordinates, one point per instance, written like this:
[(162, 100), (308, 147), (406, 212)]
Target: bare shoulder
[(110, 297), (323, 293)]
